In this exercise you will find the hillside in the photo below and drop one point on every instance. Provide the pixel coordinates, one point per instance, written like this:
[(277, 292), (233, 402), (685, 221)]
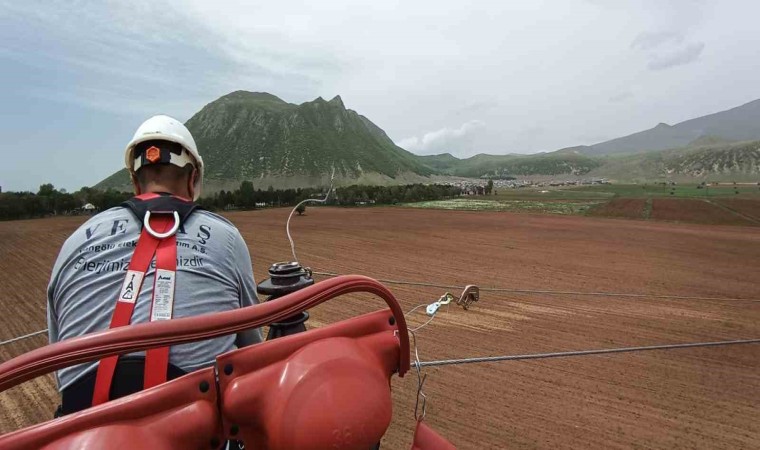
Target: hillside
[(737, 124), (705, 159), (718, 145), (512, 165), (721, 162), (259, 137)]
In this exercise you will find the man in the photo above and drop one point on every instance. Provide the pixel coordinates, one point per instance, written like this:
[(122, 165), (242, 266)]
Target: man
[(95, 276)]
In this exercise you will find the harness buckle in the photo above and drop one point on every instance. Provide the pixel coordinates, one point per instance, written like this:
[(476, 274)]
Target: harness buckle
[(156, 234)]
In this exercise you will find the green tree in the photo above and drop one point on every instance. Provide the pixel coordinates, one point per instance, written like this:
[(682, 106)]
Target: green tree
[(301, 208), (246, 195), (47, 190)]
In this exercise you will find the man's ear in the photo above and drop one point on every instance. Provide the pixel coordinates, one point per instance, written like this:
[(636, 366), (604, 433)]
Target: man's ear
[(191, 183), (135, 183)]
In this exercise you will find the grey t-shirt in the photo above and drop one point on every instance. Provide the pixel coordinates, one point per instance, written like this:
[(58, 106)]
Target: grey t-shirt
[(214, 273)]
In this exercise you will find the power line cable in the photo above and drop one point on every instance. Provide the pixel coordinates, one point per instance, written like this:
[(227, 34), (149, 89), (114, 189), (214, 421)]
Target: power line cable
[(18, 338), (552, 292), (295, 208), (482, 359)]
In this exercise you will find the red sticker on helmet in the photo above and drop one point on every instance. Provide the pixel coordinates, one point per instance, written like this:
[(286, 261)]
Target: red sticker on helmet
[(153, 154)]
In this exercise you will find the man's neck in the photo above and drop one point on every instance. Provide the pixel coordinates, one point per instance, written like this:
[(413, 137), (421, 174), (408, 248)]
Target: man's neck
[(163, 189)]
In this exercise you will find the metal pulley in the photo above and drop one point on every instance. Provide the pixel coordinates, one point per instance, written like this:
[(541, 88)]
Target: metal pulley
[(285, 278)]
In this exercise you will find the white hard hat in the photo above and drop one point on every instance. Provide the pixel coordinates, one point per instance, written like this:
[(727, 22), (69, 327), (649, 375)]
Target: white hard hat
[(165, 128)]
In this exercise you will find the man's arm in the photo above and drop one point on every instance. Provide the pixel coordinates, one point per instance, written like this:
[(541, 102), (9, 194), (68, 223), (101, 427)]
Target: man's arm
[(243, 267), (52, 317), (52, 312)]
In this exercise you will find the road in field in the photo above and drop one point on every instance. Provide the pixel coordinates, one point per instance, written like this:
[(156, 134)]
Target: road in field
[(700, 398)]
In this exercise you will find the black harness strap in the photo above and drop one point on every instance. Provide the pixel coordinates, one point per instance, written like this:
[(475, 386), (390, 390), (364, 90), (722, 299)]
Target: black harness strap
[(163, 203)]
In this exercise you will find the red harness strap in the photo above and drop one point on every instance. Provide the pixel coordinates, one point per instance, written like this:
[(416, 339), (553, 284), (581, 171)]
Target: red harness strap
[(156, 360)]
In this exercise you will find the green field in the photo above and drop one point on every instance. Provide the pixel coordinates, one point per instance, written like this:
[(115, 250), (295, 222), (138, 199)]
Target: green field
[(580, 200), (493, 204), (550, 193), (658, 190)]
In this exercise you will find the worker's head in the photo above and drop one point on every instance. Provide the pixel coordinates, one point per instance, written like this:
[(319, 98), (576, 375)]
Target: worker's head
[(162, 156)]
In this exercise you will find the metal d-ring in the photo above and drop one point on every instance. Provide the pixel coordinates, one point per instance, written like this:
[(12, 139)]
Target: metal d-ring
[(157, 235)]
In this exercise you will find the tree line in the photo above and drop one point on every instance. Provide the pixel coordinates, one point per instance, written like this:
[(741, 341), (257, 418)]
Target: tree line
[(50, 201), (390, 195), (246, 197)]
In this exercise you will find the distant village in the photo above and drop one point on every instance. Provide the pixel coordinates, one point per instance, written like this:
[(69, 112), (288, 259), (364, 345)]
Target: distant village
[(479, 186)]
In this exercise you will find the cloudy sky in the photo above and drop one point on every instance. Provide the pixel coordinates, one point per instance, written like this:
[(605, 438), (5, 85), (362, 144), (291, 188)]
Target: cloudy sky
[(465, 77)]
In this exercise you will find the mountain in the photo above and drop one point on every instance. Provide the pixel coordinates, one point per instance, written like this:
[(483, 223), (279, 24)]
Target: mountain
[(483, 165), (717, 162), (710, 140), (737, 124), (443, 163), (259, 137), (706, 159), (717, 145)]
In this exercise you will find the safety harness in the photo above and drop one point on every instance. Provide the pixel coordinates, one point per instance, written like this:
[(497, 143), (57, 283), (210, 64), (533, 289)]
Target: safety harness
[(161, 215)]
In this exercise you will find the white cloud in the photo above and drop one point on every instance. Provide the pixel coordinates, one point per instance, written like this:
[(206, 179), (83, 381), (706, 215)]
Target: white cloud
[(650, 40), (684, 55), (442, 140), (621, 97), (667, 49), (114, 57), (410, 67)]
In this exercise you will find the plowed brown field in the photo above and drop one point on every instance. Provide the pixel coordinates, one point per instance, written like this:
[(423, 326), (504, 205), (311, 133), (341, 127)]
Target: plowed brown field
[(695, 211), (628, 208), (695, 398), (748, 207)]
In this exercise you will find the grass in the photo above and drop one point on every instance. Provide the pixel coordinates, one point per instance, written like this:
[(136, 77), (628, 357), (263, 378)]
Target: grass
[(647, 213), (608, 191), (551, 193), (482, 204), (581, 200), (683, 190)]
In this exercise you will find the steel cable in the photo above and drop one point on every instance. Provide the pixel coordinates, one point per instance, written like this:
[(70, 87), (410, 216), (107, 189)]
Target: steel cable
[(18, 338), (551, 292), (482, 359)]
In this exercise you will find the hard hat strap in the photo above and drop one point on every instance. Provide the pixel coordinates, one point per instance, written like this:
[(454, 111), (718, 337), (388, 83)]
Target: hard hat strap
[(180, 160)]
